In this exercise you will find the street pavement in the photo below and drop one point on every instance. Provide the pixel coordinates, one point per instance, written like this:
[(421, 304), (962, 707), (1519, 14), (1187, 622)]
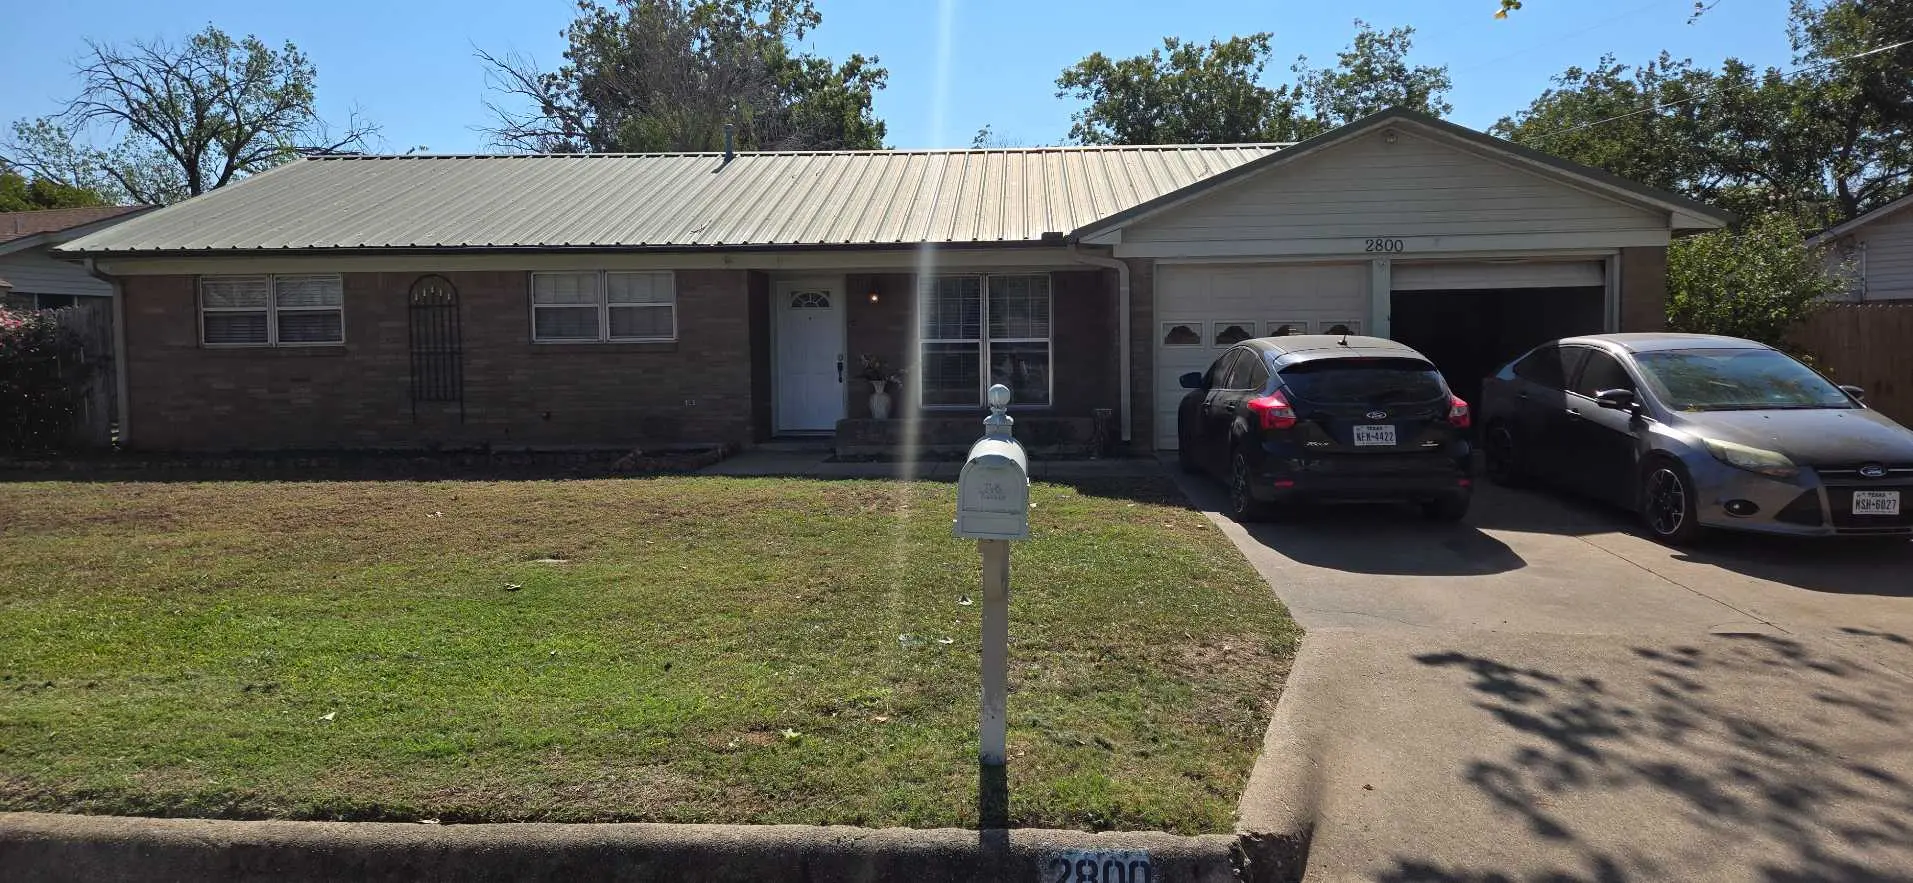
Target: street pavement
[(1542, 694)]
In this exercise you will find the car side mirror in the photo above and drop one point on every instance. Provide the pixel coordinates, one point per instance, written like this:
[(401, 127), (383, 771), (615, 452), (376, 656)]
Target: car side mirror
[(1192, 380), (1618, 399), (1858, 393)]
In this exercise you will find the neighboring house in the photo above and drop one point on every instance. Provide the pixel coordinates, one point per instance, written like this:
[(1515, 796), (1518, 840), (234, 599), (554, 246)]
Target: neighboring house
[(40, 281), (1877, 249), (695, 298)]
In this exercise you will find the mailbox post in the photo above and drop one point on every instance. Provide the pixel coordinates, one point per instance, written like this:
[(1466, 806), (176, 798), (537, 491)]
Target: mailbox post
[(993, 507)]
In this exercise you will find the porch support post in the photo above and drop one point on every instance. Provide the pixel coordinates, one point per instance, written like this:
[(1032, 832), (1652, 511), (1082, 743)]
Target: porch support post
[(1381, 302), (1122, 330)]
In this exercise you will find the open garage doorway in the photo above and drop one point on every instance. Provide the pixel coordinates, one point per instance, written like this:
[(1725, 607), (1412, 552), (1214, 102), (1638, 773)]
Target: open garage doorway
[(1471, 333)]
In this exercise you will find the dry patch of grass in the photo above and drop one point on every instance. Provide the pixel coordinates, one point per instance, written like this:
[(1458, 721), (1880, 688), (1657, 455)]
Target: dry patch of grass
[(674, 649)]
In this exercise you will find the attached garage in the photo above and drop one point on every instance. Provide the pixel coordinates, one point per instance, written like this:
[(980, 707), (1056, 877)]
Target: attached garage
[(1203, 309), (1466, 247), (1473, 317)]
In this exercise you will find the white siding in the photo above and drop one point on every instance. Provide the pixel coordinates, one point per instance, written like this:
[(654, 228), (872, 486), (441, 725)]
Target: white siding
[(1462, 275), (32, 272), (1197, 301), (1415, 187), (1889, 256)]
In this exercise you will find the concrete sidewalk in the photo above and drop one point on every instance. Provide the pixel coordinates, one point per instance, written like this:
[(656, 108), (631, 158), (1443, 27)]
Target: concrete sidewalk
[(817, 464), (1541, 695)]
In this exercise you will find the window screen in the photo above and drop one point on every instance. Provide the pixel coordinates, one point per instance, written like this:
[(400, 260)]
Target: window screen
[(290, 310)]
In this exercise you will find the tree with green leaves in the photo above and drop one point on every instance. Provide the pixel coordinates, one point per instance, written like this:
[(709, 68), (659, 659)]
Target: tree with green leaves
[(157, 122), (1756, 282), (669, 75), (20, 193), (1825, 142), (1213, 93)]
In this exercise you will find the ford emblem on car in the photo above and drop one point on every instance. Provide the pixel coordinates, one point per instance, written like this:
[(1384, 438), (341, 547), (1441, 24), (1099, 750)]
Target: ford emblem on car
[(1873, 470), (1382, 415)]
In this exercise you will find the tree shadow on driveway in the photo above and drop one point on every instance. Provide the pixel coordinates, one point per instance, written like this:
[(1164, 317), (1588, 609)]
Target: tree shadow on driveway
[(1759, 758)]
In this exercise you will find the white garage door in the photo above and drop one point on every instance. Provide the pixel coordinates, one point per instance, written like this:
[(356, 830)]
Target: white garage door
[(1202, 309)]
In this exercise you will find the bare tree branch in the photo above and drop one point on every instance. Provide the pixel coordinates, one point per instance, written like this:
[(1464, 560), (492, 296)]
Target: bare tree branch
[(180, 120)]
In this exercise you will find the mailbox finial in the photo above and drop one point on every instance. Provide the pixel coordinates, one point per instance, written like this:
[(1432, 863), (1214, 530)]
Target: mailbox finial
[(999, 423)]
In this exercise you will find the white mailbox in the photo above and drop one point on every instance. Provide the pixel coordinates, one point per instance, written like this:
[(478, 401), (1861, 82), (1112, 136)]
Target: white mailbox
[(993, 491)]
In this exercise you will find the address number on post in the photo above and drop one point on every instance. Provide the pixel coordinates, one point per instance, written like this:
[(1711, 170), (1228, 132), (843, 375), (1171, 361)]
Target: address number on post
[(1099, 866), (1386, 246)]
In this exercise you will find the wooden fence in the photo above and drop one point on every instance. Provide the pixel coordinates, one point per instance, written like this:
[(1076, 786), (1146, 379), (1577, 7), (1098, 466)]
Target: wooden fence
[(1868, 345), (92, 322)]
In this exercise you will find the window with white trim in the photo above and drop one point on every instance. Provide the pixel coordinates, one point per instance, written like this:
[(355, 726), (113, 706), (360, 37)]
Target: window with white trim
[(600, 306), (289, 310), (981, 330)]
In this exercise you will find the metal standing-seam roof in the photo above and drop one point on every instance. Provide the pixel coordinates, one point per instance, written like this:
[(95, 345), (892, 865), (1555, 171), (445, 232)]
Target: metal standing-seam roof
[(671, 201)]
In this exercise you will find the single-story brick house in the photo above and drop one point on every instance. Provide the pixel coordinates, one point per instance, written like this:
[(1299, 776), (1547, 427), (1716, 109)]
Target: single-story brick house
[(693, 298)]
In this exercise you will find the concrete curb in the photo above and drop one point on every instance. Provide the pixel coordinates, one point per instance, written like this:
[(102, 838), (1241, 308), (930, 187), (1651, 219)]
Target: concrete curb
[(36, 847), (1276, 818)]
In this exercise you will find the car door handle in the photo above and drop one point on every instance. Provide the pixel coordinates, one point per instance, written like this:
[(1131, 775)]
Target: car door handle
[(1575, 414), (1231, 407)]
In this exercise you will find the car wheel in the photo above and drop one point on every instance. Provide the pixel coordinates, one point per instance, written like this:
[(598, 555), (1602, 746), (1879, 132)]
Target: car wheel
[(1504, 463), (1668, 506), (1449, 507), (1243, 505)]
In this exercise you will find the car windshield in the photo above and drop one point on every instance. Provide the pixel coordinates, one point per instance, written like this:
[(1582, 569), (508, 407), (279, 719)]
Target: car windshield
[(1364, 381), (1736, 380)]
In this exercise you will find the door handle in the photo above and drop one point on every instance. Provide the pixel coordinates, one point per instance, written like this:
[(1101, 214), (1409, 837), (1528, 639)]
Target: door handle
[(1575, 414), (840, 367), (1231, 407)]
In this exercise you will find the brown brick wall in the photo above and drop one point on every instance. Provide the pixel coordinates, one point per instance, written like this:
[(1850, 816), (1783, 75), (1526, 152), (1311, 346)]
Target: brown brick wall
[(1644, 288), (1082, 335), (184, 396), (761, 386), (1142, 352)]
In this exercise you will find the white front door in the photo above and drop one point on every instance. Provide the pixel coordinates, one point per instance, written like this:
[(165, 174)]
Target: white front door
[(810, 356)]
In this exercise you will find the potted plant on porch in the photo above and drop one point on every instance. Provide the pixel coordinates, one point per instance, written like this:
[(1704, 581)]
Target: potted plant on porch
[(880, 376)]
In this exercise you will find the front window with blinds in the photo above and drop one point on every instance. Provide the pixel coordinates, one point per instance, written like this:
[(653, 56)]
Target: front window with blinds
[(982, 330), (289, 310), (603, 306)]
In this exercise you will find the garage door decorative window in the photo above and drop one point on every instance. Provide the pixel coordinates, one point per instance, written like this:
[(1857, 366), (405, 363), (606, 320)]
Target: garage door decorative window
[(1352, 326), (1284, 329), (1232, 333), (1182, 334), (980, 330)]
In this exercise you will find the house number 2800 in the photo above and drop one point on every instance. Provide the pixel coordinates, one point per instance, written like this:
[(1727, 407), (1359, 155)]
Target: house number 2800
[(1391, 246)]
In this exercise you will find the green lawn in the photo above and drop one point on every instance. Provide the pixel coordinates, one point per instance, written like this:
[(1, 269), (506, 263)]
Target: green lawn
[(670, 649)]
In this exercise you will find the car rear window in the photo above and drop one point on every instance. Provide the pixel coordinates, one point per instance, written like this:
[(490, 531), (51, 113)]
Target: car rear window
[(1364, 381)]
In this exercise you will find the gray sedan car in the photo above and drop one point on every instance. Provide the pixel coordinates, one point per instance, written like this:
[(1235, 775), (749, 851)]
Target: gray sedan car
[(1697, 431)]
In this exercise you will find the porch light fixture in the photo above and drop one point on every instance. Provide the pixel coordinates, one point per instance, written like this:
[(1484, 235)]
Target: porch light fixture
[(874, 297)]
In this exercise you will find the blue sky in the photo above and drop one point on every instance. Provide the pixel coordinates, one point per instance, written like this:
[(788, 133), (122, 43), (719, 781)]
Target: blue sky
[(408, 64)]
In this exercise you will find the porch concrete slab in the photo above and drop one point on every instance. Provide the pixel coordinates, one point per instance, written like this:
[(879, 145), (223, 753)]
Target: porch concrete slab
[(926, 471), (768, 463), (1067, 470)]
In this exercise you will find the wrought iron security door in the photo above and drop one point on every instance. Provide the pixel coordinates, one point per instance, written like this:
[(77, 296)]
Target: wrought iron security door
[(438, 356)]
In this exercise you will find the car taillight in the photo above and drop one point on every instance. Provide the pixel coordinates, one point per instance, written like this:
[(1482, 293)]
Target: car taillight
[(1273, 411), (1458, 412)]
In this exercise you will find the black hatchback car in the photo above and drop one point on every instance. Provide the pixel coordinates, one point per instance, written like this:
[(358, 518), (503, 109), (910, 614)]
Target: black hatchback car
[(1328, 418)]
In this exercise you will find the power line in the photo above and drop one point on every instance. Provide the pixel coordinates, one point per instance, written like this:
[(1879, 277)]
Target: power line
[(1552, 41), (1667, 104)]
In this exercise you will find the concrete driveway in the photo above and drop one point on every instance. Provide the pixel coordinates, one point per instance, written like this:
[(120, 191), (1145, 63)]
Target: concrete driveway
[(1543, 694)]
